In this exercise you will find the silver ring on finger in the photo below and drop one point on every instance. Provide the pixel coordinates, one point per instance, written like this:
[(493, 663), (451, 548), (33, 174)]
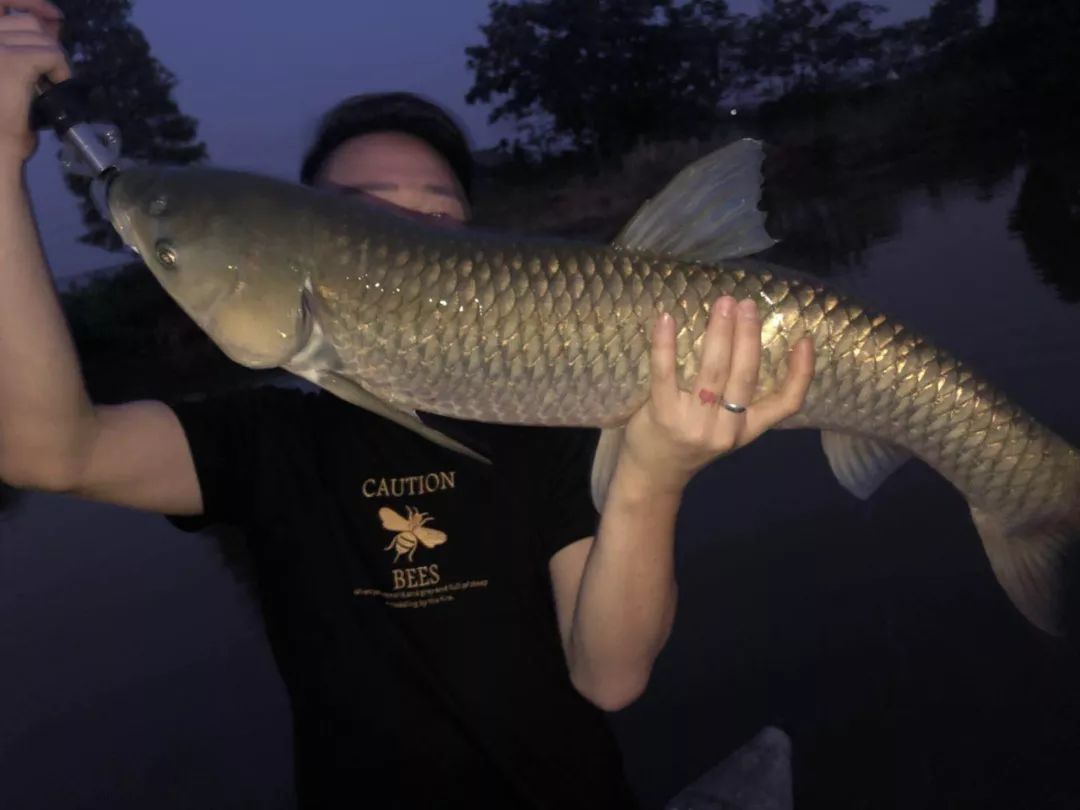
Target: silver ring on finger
[(731, 406)]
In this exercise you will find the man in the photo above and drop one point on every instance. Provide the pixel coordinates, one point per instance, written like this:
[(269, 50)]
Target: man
[(450, 633)]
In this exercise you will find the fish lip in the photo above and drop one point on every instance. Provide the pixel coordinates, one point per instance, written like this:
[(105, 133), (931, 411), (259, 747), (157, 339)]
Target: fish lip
[(117, 211), (121, 220), (100, 188)]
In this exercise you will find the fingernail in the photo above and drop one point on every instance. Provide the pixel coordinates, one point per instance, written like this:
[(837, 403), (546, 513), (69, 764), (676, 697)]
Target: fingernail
[(725, 306), (747, 308)]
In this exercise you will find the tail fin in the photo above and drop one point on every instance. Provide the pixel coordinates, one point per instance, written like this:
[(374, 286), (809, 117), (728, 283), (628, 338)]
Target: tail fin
[(1030, 564)]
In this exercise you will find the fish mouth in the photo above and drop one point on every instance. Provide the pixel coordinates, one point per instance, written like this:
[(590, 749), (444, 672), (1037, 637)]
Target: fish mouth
[(122, 193), (122, 224)]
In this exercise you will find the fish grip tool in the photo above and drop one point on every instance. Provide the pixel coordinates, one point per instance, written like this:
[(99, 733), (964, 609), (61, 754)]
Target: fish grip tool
[(88, 149)]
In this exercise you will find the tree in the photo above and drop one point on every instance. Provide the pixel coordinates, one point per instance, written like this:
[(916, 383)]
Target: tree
[(1035, 41), (129, 88), (1047, 218), (949, 21), (603, 73), (808, 44), (900, 50)]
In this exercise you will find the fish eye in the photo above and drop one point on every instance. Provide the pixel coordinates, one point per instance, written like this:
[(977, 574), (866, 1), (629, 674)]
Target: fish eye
[(157, 206), (166, 254)]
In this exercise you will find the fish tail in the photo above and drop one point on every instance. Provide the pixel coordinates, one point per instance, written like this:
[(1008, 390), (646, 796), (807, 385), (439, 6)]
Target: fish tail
[(1032, 561), (1034, 557)]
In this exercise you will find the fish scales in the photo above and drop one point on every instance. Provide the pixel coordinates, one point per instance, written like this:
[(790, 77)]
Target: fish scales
[(562, 338)]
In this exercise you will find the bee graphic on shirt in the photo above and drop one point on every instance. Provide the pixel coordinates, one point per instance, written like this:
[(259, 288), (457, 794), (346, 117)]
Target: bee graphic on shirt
[(412, 530)]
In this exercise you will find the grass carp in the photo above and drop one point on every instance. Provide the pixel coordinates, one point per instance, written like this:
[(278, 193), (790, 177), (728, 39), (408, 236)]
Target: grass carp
[(399, 314)]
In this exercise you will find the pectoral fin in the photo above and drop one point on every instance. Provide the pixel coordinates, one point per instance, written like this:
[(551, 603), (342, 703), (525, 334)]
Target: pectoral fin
[(353, 393), (317, 362)]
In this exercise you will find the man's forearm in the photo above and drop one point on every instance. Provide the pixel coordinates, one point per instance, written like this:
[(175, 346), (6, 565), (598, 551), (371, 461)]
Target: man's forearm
[(626, 602), (44, 408)]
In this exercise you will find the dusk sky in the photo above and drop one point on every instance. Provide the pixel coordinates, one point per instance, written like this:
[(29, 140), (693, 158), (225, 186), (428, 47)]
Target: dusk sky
[(283, 66)]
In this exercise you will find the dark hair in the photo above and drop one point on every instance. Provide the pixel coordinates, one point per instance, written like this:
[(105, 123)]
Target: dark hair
[(391, 112)]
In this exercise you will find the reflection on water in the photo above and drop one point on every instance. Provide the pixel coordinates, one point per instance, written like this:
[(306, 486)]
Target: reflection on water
[(874, 633), (828, 214), (1047, 218)]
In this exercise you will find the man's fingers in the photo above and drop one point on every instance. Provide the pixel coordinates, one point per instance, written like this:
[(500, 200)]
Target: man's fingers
[(38, 8), (21, 22), (26, 37), (716, 347), (789, 398), (42, 60), (31, 27), (663, 385), (37, 16), (746, 355)]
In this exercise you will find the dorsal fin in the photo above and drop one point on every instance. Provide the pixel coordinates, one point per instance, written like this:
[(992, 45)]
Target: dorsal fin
[(708, 212)]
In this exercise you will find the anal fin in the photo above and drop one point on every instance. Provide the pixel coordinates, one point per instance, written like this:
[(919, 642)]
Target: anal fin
[(1029, 564), (603, 467)]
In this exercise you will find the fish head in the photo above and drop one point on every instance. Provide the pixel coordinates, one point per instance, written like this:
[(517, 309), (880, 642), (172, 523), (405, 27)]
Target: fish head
[(227, 247)]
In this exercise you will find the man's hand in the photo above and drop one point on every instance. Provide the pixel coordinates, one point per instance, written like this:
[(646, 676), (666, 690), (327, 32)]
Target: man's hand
[(29, 49), (616, 593), (676, 433)]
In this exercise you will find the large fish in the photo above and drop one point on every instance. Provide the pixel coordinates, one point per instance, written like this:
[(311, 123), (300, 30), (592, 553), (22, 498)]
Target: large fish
[(398, 314)]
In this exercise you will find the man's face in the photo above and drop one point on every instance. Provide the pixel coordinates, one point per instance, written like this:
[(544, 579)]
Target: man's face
[(398, 168)]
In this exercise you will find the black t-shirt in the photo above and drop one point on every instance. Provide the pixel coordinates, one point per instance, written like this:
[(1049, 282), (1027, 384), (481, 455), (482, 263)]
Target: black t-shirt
[(407, 598)]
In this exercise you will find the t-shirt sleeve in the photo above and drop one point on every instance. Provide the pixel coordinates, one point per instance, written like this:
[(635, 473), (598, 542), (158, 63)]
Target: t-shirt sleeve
[(566, 510), (232, 440)]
